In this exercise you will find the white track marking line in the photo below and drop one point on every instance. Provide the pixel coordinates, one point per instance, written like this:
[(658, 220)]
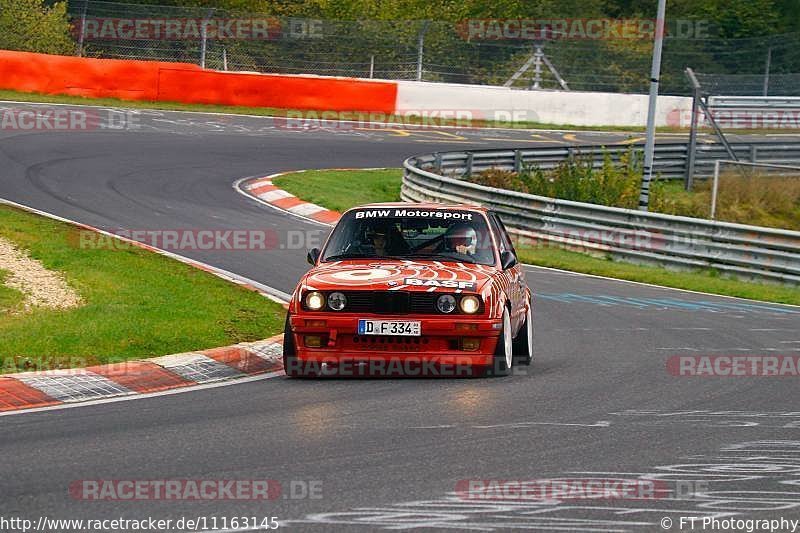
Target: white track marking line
[(406, 126), (598, 424), (662, 287)]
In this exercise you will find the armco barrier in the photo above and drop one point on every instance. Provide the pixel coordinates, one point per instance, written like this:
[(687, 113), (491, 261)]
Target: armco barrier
[(185, 83), (634, 236), (670, 160)]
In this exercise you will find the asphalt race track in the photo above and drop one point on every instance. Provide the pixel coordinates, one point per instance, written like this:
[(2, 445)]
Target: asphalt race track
[(598, 402)]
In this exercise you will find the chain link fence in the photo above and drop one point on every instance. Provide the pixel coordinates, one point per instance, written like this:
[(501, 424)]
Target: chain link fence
[(432, 51)]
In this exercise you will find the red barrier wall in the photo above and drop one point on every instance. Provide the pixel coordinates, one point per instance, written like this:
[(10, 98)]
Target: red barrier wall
[(186, 83)]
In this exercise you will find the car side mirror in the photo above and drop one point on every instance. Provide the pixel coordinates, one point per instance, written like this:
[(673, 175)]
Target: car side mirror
[(313, 256), (507, 260)]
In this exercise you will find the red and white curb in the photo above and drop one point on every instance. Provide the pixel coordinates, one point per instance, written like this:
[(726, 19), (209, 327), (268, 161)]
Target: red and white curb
[(31, 390), (263, 190)]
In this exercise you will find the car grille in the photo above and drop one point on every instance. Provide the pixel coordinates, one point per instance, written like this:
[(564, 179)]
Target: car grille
[(391, 302)]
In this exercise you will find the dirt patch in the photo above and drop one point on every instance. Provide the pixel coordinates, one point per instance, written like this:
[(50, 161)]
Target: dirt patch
[(41, 287)]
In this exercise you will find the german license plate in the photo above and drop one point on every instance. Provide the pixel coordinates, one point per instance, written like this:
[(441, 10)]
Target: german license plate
[(407, 328)]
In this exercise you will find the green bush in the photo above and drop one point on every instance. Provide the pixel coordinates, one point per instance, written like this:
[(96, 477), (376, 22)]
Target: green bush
[(29, 26), (613, 184)]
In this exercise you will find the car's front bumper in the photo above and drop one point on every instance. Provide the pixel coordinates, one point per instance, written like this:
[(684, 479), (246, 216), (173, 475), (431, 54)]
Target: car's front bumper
[(457, 346)]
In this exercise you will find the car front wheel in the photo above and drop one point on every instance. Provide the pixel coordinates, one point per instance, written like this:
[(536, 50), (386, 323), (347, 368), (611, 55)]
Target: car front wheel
[(291, 364), (523, 343), (503, 355)]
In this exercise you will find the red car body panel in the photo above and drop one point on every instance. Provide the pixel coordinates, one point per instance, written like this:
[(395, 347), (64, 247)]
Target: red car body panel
[(440, 333)]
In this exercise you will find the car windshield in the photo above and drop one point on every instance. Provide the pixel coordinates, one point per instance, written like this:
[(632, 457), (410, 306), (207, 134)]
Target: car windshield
[(411, 233)]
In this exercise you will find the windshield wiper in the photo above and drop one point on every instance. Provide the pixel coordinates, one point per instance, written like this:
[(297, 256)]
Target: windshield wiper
[(348, 256), (367, 256), (445, 257)]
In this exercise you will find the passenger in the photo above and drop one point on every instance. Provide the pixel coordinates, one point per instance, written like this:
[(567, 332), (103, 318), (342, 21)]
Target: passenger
[(461, 238)]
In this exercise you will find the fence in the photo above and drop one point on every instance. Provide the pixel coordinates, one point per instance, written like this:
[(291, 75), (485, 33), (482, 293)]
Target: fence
[(432, 51), (671, 159), (635, 236)]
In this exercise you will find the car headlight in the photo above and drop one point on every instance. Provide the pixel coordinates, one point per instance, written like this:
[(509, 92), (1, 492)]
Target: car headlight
[(315, 300), (446, 303), (470, 304), (337, 301)]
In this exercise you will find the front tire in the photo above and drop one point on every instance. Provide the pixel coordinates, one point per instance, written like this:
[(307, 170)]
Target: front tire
[(291, 365), (523, 343), (503, 359)]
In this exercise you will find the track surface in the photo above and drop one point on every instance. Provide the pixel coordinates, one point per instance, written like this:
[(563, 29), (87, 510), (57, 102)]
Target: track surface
[(598, 401)]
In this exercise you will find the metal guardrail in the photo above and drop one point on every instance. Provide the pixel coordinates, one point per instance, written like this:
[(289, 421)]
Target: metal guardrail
[(650, 238), (671, 159), (754, 102)]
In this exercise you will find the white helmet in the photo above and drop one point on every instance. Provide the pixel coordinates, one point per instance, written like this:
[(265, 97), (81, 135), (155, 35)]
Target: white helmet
[(461, 235)]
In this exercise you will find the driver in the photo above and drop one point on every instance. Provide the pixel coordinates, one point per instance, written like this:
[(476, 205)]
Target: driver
[(387, 240), (461, 238), (379, 241)]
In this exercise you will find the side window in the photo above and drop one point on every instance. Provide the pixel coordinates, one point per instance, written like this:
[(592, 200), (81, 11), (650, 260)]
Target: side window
[(502, 234)]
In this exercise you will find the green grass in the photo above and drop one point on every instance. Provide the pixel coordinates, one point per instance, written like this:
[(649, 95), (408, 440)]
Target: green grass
[(346, 115), (342, 189), (760, 200), (137, 304), (9, 298), (339, 189)]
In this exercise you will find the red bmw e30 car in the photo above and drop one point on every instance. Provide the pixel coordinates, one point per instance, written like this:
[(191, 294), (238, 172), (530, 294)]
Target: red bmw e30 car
[(411, 289)]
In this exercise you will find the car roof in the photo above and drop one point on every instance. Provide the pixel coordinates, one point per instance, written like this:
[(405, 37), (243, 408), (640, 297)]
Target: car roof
[(424, 205)]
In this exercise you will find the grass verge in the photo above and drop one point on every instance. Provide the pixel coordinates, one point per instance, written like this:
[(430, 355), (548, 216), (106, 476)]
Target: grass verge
[(341, 189), (346, 115), (9, 298), (137, 304)]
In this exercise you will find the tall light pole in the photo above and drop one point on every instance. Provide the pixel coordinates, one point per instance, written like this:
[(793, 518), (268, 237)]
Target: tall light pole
[(650, 143)]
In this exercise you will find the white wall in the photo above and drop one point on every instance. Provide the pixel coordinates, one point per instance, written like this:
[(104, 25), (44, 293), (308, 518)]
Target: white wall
[(550, 107)]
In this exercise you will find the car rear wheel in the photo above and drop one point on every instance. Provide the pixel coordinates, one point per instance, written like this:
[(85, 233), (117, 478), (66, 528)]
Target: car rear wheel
[(523, 343), (290, 362), (504, 355)]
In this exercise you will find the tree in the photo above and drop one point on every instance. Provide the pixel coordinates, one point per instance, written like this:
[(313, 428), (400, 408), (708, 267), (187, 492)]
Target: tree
[(29, 26)]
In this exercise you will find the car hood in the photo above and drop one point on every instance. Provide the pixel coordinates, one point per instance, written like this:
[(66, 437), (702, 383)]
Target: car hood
[(433, 276)]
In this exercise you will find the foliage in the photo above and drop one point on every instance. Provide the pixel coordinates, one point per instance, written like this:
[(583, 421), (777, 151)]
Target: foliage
[(613, 184), (30, 26), (753, 199)]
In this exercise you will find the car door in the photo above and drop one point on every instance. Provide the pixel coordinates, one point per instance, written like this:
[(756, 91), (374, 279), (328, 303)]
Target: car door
[(515, 277)]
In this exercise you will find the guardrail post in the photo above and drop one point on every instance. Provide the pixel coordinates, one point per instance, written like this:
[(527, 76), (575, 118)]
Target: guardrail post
[(437, 161), (468, 165), (517, 161), (691, 153), (753, 153)]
